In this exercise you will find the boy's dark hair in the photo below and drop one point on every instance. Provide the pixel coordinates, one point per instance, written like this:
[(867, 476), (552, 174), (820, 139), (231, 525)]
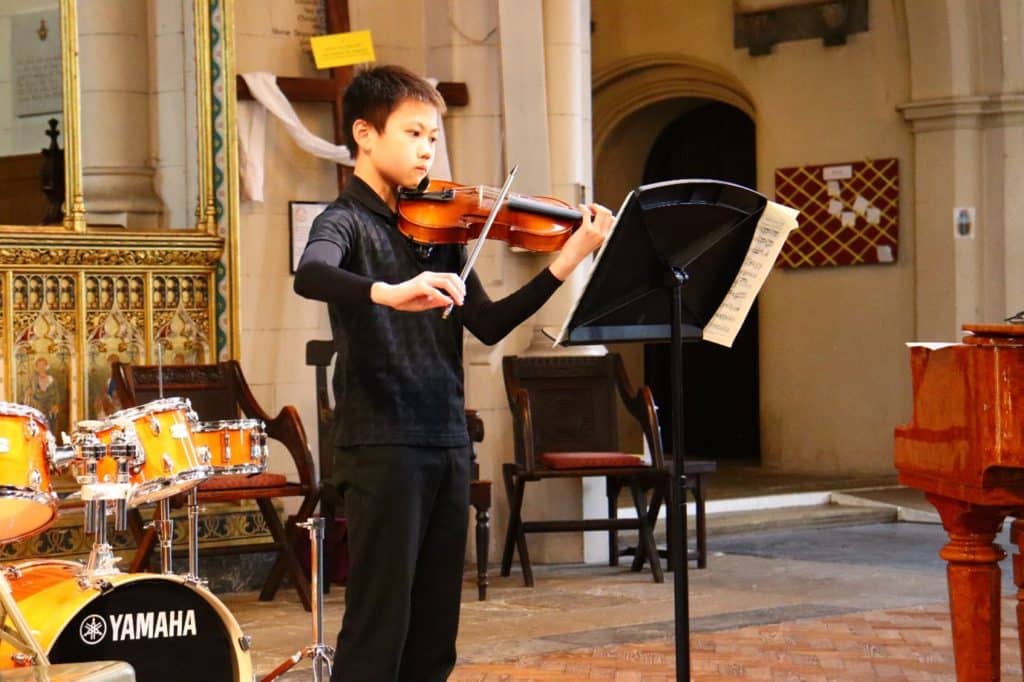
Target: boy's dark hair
[(376, 92)]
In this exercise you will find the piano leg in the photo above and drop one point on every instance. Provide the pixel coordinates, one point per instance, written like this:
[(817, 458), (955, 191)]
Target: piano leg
[(1017, 538), (973, 577)]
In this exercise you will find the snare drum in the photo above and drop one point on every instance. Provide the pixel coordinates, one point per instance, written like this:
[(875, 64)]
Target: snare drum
[(165, 627), (27, 501), (170, 462), (236, 446)]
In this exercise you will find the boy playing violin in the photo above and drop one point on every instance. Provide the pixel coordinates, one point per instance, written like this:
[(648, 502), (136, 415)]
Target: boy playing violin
[(402, 449)]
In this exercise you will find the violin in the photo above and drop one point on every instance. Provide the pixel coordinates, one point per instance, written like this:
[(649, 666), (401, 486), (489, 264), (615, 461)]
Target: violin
[(448, 213)]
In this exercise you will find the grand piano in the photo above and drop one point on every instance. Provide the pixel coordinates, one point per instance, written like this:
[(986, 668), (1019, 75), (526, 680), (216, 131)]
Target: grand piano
[(965, 449)]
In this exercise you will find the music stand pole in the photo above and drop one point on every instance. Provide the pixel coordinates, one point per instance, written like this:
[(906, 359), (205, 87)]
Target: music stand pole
[(678, 551)]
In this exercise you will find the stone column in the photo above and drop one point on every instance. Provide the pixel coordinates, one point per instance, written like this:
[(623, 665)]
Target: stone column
[(967, 115), (117, 170), (567, 75)]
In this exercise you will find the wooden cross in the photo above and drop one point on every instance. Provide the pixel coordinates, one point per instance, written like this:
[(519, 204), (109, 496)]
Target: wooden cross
[(330, 90)]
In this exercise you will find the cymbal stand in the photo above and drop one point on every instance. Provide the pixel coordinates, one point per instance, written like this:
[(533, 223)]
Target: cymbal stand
[(322, 654)]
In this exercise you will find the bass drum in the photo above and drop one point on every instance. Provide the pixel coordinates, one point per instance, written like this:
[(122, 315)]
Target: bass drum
[(166, 629)]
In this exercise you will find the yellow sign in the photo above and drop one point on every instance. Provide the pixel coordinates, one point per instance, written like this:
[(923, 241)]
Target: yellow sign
[(342, 49)]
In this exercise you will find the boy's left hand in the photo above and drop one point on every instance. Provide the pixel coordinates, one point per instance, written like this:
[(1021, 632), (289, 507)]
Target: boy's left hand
[(597, 223)]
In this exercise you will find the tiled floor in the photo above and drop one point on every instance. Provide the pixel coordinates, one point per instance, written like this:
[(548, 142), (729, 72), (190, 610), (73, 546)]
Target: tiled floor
[(899, 644), (859, 603)]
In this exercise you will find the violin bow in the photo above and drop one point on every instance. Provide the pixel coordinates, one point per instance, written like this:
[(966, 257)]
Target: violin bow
[(483, 233)]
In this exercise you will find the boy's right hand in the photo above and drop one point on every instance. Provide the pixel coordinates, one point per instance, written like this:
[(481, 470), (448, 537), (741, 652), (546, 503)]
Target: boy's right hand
[(424, 291)]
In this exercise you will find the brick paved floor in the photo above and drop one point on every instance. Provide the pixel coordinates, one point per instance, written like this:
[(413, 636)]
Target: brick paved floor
[(911, 643)]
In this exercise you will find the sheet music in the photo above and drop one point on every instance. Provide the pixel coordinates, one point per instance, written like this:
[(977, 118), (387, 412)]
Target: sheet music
[(564, 333), (776, 222)]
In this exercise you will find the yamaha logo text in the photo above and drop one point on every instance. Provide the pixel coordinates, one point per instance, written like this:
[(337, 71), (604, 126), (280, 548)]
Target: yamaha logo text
[(125, 627)]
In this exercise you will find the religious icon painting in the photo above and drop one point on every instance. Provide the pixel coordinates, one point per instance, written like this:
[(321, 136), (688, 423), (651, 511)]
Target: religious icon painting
[(44, 371), (45, 361)]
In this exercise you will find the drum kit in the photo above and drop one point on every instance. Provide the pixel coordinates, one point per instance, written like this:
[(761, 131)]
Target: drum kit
[(56, 611)]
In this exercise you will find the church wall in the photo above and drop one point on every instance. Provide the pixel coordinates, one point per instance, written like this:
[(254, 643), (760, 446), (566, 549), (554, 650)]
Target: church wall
[(275, 322), (834, 374), (450, 41)]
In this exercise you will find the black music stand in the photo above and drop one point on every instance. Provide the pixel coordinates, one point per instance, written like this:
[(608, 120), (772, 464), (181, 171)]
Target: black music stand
[(674, 252)]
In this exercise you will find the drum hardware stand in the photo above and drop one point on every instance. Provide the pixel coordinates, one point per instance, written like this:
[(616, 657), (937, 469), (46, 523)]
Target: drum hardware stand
[(322, 655), (20, 636), (165, 532), (98, 496), (193, 539)]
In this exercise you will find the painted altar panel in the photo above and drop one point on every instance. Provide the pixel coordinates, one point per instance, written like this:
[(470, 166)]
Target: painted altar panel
[(181, 318), (47, 365), (115, 324), (3, 336), (67, 313)]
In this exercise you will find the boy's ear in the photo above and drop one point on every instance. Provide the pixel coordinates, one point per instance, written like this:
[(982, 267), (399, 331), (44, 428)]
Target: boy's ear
[(362, 133)]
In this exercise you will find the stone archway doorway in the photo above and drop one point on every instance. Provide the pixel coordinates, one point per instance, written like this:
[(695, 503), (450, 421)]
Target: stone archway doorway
[(716, 141)]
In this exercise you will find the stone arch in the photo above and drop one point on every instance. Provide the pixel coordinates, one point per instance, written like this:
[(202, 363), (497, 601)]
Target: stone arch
[(634, 99), (631, 85)]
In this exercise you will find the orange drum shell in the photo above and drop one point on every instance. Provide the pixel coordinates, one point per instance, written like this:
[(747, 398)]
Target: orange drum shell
[(171, 464), (235, 447), (27, 508)]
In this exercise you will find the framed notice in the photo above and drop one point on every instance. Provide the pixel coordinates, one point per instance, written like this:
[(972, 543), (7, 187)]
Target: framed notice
[(35, 63), (301, 215)]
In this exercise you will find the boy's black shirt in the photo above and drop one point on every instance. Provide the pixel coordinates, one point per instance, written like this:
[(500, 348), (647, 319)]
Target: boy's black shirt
[(398, 376)]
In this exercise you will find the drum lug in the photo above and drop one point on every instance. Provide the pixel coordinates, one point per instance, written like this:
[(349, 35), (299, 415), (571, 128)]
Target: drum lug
[(154, 425), (31, 429), (22, 660), (227, 447), (168, 463), (35, 479), (245, 642), (204, 454)]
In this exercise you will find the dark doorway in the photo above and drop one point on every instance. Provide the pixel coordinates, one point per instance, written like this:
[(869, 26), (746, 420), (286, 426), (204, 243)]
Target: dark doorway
[(714, 141)]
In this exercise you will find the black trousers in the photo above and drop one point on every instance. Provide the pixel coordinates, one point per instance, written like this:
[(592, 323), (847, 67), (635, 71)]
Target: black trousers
[(407, 510)]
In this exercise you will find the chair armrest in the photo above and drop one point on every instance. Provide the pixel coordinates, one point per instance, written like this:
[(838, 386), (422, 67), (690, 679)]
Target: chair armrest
[(286, 427), (641, 407), (522, 426), (475, 426)]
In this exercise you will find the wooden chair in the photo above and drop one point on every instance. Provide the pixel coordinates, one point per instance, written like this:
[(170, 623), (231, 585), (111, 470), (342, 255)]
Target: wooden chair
[(220, 392), (564, 413), (697, 472), (319, 354)]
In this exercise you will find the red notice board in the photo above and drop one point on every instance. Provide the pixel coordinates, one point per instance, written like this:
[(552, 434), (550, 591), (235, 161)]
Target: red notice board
[(849, 213)]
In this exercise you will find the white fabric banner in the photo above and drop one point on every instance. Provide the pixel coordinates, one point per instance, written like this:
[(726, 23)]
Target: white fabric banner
[(252, 135)]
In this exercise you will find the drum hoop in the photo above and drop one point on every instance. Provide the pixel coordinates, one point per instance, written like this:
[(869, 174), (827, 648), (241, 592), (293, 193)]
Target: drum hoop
[(228, 425), (237, 470), (29, 494), (19, 410), (154, 406), (198, 475), (50, 500), (243, 658)]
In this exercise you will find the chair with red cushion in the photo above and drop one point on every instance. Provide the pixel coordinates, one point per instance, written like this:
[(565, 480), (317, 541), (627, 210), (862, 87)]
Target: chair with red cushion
[(220, 392), (565, 424)]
